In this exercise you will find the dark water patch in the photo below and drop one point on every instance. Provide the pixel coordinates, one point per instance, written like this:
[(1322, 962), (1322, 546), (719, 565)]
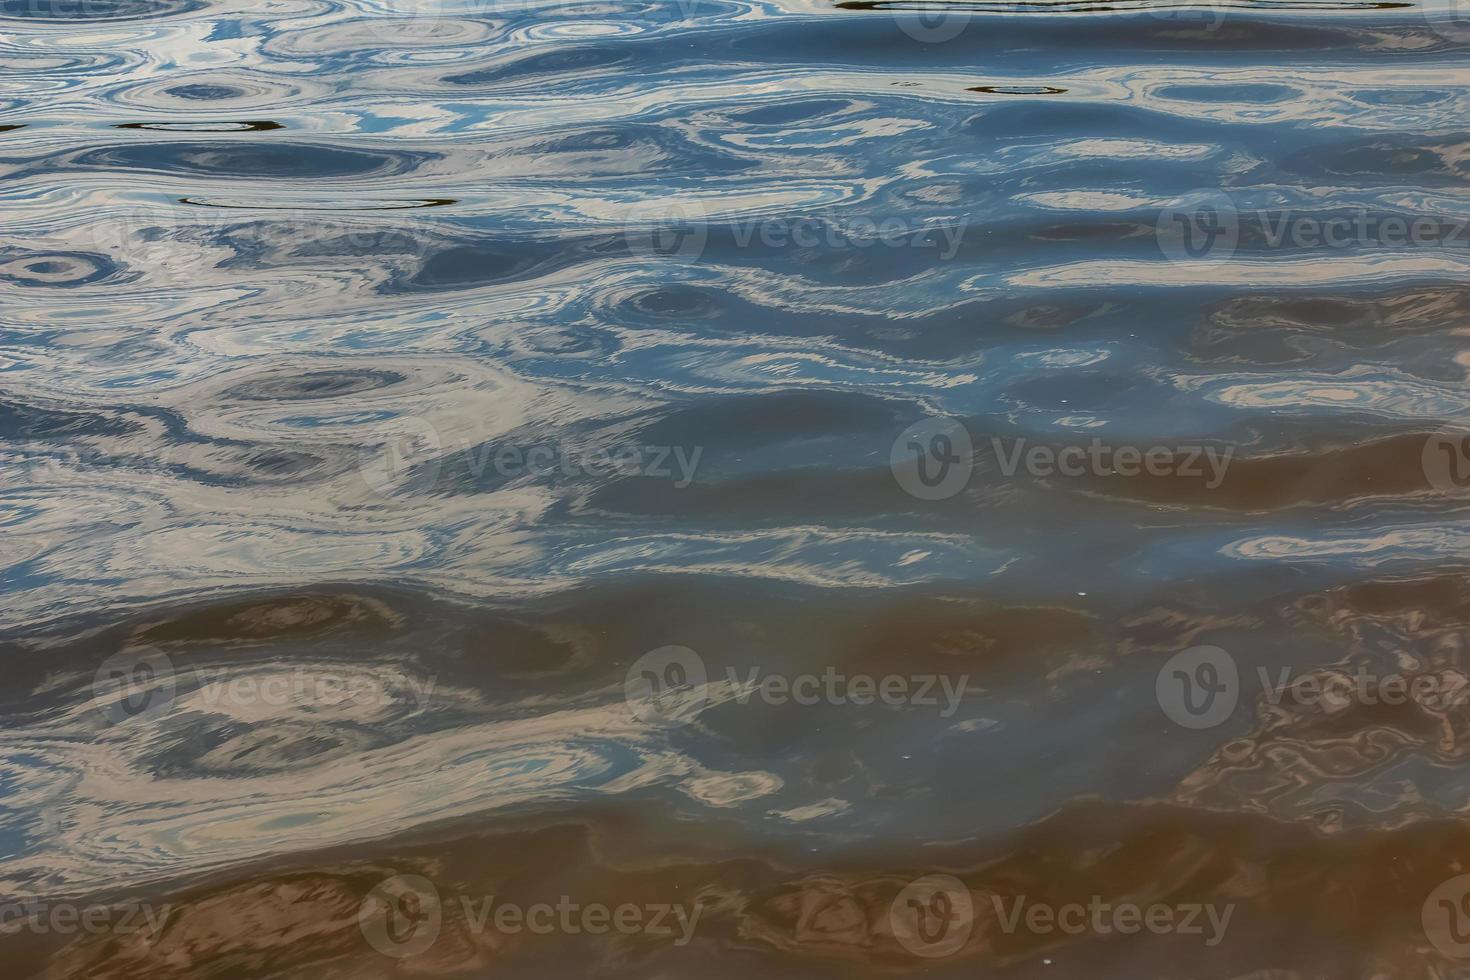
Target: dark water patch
[(346, 205), (312, 385), (1082, 390), (278, 465), (1099, 233), (295, 240), (1429, 605), (763, 900), (271, 161), (1423, 97), (11, 127), (771, 417), (364, 241), (1260, 94), (257, 126), (1404, 157), (1017, 89), (1006, 121), (204, 749), (1317, 474), (819, 497), (578, 341), (96, 10), (1106, 7), (1297, 327), (283, 617), (490, 263), (1034, 39), (678, 303), (202, 92), (24, 422)]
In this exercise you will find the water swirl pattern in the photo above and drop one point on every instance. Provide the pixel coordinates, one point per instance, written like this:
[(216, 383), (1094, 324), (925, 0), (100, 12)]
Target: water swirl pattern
[(873, 487)]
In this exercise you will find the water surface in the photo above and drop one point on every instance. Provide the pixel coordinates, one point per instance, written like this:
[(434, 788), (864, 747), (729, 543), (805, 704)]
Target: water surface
[(380, 381)]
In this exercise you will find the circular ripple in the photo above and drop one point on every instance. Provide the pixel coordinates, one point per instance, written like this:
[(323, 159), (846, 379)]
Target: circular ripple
[(56, 269), (313, 385), (218, 89), (571, 341), (368, 34)]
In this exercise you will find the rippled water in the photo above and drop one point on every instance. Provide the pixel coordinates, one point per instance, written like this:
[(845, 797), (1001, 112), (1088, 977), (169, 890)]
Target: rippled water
[(842, 471)]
